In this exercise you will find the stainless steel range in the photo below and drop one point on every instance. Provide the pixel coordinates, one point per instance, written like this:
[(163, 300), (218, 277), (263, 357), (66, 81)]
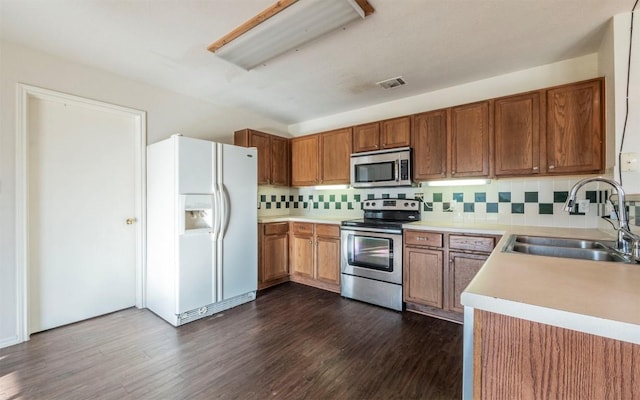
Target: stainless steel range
[(371, 261)]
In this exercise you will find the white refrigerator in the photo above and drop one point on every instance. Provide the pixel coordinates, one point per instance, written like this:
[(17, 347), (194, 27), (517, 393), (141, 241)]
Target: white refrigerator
[(202, 255)]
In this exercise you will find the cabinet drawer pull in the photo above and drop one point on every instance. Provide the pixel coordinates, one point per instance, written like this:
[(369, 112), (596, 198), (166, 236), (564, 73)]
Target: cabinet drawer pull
[(552, 166), (453, 172), (536, 168)]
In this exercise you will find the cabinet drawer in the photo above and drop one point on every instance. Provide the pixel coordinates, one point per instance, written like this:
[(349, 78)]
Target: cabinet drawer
[(302, 228), (474, 243), (328, 230), (419, 238), (277, 228)]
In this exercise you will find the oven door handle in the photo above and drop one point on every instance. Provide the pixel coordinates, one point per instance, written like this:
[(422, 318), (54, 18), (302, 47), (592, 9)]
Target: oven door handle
[(397, 171)]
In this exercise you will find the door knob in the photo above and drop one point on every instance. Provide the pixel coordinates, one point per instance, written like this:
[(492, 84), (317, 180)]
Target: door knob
[(131, 221)]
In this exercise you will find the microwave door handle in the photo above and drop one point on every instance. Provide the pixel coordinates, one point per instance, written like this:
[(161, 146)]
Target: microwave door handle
[(397, 170)]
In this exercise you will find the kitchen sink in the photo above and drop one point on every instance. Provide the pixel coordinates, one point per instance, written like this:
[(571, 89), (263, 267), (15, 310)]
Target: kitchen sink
[(581, 249)]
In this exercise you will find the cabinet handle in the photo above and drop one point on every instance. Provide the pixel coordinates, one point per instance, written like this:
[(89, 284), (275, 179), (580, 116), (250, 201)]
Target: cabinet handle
[(453, 172), (552, 166), (535, 168), (421, 238), (311, 242)]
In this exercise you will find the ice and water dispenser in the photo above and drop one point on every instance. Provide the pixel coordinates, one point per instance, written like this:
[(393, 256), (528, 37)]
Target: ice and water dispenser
[(197, 215)]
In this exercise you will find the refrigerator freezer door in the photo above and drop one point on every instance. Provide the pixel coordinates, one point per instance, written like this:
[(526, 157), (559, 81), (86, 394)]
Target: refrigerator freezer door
[(239, 232), (196, 285), (195, 165)]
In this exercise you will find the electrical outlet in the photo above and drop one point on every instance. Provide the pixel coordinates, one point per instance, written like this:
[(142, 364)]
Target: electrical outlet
[(583, 205)]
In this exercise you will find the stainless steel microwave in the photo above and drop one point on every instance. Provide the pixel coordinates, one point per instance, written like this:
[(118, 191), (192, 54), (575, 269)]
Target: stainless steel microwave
[(381, 168)]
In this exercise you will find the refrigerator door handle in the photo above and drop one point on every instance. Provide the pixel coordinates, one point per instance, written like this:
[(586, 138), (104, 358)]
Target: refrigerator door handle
[(224, 214), (217, 220)]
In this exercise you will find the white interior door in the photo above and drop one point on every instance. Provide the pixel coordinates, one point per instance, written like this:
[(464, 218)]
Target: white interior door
[(82, 190)]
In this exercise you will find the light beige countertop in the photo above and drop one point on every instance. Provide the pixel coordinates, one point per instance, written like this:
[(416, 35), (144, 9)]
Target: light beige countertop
[(315, 219), (597, 297)]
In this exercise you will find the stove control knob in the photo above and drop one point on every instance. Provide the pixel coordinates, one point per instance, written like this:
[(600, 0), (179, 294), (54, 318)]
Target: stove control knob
[(406, 204), (413, 204), (373, 203)]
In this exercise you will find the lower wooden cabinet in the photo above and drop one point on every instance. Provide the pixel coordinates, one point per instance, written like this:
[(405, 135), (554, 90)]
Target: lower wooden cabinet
[(438, 266), (315, 255), (273, 254)]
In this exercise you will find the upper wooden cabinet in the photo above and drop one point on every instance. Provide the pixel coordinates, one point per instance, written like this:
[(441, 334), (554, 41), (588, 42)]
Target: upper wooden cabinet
[(321, 159), (304, 161), (273, 155), (429, 142), (517, 134), (387, 134), (470, 130), (575, 128)]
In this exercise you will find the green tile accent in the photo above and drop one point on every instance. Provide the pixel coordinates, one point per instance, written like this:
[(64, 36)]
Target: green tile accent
[(310, 197), (480, 197), (332, 197), (437, 197), (402, 196), (273, 197), (338, 206), (343, 198), (356, 197), (428, 207), (469, 207), (517, 208), (504, 197), (321, 198), (545, 208), (315, 204), (268, 206), (370, 196), (278, 205), (492, 208), (530, 197), (300, 197), (385, 195), (326, 206), (459, 197), (283, 198), (263, 198), (592, 196), (350, 206), (560, 197)]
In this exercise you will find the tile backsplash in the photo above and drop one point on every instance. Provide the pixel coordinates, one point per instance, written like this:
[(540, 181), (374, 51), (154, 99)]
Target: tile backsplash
[(538, 202)]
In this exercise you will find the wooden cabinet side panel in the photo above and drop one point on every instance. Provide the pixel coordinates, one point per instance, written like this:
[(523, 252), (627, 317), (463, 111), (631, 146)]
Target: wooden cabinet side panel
[(335, 153), (395, 132), (517, 135), (366, 137), (423, 276), (429, 143), (575, 128), (304, 161), (470, 140), (280, 161), (521, 359)]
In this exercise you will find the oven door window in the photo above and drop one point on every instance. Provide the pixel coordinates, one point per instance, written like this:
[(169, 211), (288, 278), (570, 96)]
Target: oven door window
[(377, 172), (371, 252)]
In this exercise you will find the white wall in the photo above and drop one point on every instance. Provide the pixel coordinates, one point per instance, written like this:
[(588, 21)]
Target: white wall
[(614, 56), (571, 70), (167, 113)]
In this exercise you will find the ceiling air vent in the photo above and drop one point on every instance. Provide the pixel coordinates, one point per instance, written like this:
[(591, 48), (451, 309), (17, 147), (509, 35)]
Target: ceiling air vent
[(391, 83)]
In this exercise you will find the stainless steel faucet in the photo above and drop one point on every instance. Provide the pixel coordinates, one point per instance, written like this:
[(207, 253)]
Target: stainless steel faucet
[(628, 242)]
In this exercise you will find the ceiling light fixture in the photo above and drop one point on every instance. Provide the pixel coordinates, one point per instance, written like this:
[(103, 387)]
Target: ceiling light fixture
[(284, 26)]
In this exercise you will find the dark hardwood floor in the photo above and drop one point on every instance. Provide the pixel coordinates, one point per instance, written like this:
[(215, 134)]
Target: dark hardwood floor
[(293, 342)]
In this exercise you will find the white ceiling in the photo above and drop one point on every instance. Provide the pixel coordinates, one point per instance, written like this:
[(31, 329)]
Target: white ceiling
[(433, 44)]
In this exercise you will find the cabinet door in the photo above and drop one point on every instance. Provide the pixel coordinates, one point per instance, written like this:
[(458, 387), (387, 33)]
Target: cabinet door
[(366, 137), (423, 276), (275, 257), (328, 260), (429, 142), (395, 132), (470, 140), (304, 161), (279, 161), (302, 255), (462, 268), (335, 153), (574, 128), (517, 135)]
